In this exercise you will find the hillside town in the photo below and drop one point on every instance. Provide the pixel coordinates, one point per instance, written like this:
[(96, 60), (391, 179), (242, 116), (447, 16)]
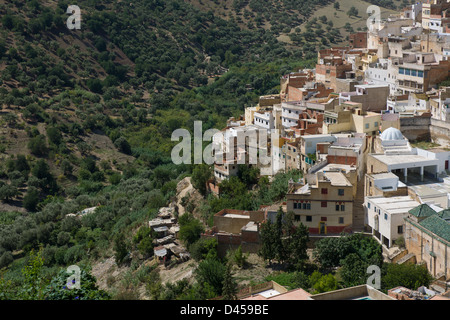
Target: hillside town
[(369, 129)]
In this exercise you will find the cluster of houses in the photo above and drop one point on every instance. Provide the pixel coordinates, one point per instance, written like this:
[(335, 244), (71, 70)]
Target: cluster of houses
[(167, 247), (347, 125)]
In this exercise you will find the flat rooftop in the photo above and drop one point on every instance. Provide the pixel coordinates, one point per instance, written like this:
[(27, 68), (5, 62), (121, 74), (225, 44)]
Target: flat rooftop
[(369, 86), (337, 179), (336, 166), (296, 294), (410, 160), (316, 136), (394, 205), (428, 187), (233, 215), (383, 175)]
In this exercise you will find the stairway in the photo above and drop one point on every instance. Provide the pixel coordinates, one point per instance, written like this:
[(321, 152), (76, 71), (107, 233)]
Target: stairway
[(358, 209), (407, 258)]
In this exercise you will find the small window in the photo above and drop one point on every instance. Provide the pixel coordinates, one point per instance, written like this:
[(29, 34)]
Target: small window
[(368, 205), (400, 229), (308, 206), (375, 209), (341, 192), (342, 207), (297, 217), (375, 124), (324, 191), (295, 205), (367, 126), (308, 218), (323, 204), (341, 220), (337, 207), (385, 216)]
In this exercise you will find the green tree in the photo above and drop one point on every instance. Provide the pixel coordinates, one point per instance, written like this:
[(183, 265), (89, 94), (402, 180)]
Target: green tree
[(408, 275), (31, 199), (21, 164), (200, 175), (66, 167), (204, 248), (330, 251), (7, 191), (296, 241), (190, 229), (323, 283), (283, 241), (54, 135), (95, 85), (38, 146), (353, 271), (239, 258), (229, 288), (144, 241), (34, 283), (267, 240), (41, 170), (121, 249), (122, 145), (212, 272), (248, 175), (352, 12)]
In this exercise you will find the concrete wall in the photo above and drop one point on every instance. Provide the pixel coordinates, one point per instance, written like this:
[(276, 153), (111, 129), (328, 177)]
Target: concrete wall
[(266, 101), (375, 166), (416, 128), (440, 132), (351, 293)]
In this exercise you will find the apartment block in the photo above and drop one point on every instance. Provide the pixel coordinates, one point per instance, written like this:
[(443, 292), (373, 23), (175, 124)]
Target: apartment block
[(308, 148), (351, 117), (323, 202), (358, 40), (234, 228), (330, 66), (420, 72), (372, 97), (384, 217)]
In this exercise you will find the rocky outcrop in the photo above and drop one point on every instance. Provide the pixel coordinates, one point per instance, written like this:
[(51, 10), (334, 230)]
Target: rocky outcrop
[(187, 198)]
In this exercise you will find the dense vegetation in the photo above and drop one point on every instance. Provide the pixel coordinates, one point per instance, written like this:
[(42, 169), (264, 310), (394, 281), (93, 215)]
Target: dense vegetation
[(129, 87)]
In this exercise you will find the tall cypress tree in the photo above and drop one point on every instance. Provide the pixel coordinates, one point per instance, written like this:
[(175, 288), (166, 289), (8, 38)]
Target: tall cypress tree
[(229, 290)]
